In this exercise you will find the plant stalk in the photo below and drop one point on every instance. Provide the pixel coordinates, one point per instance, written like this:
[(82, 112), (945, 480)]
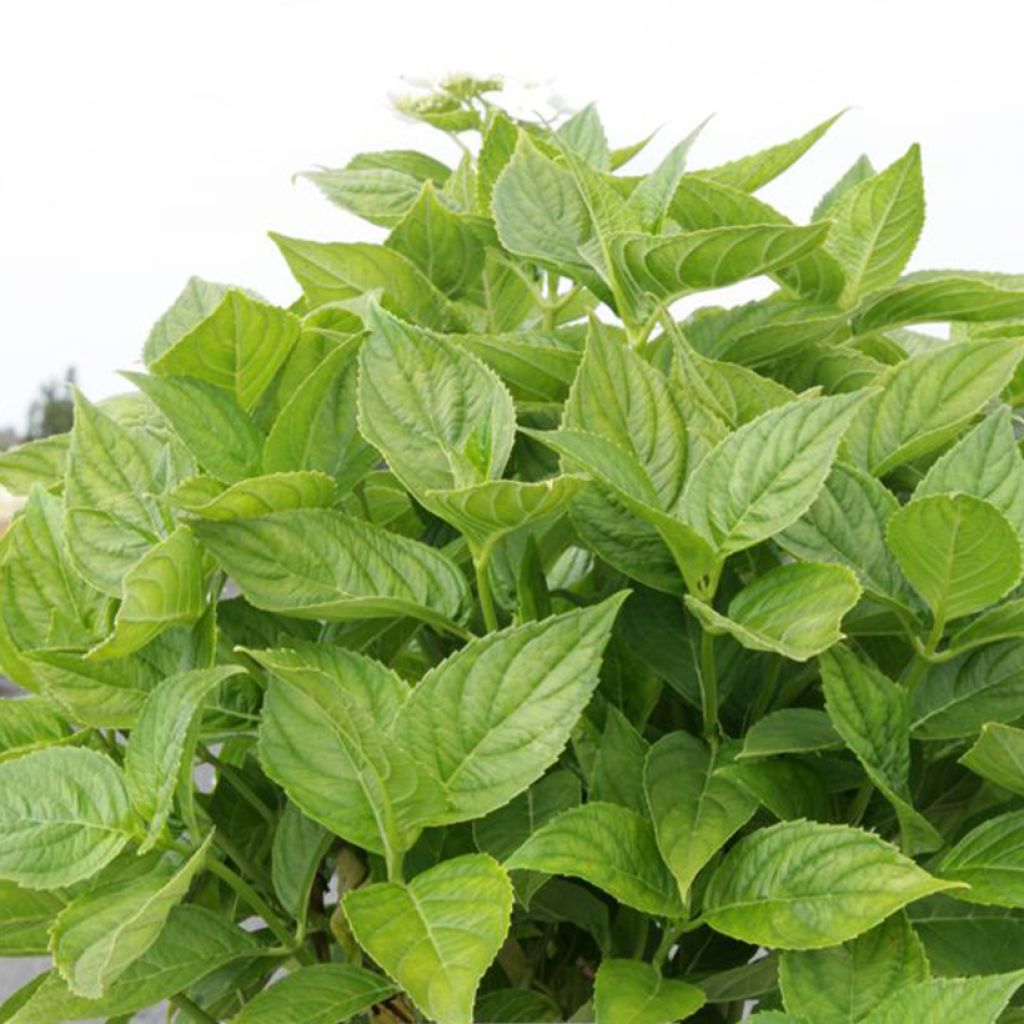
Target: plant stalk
[(252, 898), (708, 685)]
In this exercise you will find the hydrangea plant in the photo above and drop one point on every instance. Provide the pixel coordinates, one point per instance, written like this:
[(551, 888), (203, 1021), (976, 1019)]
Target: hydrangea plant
[(480, 639)]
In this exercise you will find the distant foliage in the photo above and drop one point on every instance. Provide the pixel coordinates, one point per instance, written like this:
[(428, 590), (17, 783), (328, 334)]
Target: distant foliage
[(554, 656)]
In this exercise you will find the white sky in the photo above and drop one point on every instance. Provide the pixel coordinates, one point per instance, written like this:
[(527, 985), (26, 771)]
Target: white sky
[(145, 140)]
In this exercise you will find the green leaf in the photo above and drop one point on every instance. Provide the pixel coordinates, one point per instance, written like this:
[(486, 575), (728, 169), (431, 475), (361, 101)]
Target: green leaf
[(110, 522), (197, 300), (496, 149), (42, 461), (877, 225), (794, 610), (210, 423), (990, 858), (609, 846), (492, 718), (238, 347), (958, 552), (765, 475), (27, 916), (162, 742), (985, 463), (631, 992), (317, 429), (860, 170), (749, 173), (846, 524), (320, 994), (958, 698), (998, 754), (98, 936), (666, 267), (28, 722), (789, 788), (44, 602), (701, 204), (437, 935), (968, 938), (441, 242), (166, 587), (790, 731), (325, 738), (440, 418), (332, 271), (64, 815), (964, 1000), (804, 885), (695, 811), (193, 943), (872, 715), (844, 984), (929, 298), (336, 568), (379, 187), (257, 496), (486, 512), (618, 396), (926, 400), (516, 1004), (653, 195), (1004, 622), (584, 134), (300, 844), (618, 772)]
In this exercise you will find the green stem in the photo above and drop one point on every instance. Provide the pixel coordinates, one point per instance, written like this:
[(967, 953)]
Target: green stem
[(252, 898), (708, 685), (669, 937), (923, 657), (859, 804), (481, 560), (189, 1011)]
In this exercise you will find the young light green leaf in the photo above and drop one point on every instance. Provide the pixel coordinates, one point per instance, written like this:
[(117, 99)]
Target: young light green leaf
[(110, 522), (872, 715), (27, 915), (930, 298), (162, 743), (632, 992), (964, 1000), (440, 418), (958, 552), (27, 723), (1004, 622), (437, 935), (666, 267), (441, 242), (492, 718), (64, 815), (210, 423), (956, 699), (609, 846), (794, 610), (860, 170), (238, 347), (257, 496), (197, 300), (98, 936), (165, 588), (486, 512), (42, 461), (990, 858), (998, 754), (694, 810), (319, 994), (765, 475), (620, 397), (844, 984), (324, 738), (194, 942), (337, 568), (790, 731), (804, 885), (926, 400), (584, 134), (653, 195), (985, 463), (749, 173), (332, 271), (317, 429), (846, 524), (877, 224)]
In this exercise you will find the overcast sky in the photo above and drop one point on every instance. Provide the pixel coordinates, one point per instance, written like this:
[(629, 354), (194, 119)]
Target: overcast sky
[(141, 142)]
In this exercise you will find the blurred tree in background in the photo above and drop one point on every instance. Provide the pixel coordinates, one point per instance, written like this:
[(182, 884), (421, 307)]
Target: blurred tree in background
[(52, 411)]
